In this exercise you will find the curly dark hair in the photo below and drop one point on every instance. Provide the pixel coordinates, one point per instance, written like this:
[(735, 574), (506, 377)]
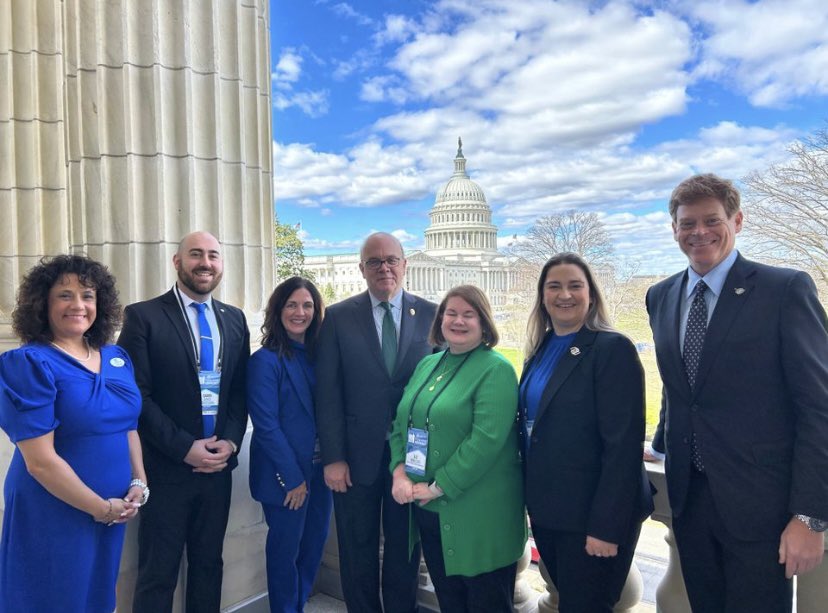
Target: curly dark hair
[(30, 318), (274, 335)]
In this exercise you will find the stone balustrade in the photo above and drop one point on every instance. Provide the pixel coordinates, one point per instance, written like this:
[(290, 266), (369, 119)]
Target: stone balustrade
[(671, 595)]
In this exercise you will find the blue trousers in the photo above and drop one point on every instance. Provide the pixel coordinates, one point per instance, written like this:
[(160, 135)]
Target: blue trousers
[(295, 540)]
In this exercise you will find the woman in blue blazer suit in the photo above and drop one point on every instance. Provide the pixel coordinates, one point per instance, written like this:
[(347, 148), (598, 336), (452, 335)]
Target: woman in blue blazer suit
[(582, 405), (285, 471)]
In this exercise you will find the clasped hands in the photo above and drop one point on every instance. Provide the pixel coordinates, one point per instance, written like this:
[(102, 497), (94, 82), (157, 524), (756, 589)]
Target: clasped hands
[(404, 490), (120, 510), (209, 455)]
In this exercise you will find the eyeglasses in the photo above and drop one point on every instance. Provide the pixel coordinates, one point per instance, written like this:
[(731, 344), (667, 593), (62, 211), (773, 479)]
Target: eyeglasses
[(376, 263)]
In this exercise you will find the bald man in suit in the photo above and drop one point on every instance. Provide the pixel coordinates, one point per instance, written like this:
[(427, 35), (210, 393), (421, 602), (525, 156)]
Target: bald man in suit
[(368, 347)]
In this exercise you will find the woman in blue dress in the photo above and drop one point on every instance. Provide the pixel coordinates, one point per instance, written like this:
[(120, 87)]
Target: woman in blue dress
[(285, 469), (69, 403)]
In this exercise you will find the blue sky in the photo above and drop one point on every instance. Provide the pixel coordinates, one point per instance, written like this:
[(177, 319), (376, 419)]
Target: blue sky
[(598, 106)]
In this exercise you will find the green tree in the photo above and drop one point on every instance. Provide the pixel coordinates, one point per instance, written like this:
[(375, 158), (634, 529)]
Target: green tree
[(288, 252), (328, 293)]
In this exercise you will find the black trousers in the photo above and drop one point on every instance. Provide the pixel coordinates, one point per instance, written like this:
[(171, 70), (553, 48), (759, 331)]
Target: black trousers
[(721, 573), (359, 513), (192, 513), (490, 592), (585, 583)]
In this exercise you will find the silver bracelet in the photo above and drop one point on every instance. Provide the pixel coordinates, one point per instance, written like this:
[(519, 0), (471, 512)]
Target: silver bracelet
[(144, 490)]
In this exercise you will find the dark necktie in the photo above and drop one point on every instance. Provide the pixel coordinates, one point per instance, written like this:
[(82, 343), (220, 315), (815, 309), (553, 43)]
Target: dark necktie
[(205, 358), (693, 345), (389, 339)]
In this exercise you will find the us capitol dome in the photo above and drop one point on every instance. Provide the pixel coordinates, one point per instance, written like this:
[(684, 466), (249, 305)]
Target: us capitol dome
[(460, 248), (461, 220)]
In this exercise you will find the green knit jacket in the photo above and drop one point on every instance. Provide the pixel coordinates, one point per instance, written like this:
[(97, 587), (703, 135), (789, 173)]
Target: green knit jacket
[(472, 455)]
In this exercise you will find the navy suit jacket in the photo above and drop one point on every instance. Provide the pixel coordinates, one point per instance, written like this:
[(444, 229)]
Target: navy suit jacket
[(584, 471), (356, 398), (760, 406), (157, 339), (280, 404)]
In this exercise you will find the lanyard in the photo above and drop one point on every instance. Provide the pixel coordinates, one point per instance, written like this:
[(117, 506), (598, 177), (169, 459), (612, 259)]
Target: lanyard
[(427, 379), (196, 352)]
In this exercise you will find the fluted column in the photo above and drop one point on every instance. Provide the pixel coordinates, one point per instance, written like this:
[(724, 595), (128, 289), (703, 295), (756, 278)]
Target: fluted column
[(170, 132), (123, 126), (33, 199)]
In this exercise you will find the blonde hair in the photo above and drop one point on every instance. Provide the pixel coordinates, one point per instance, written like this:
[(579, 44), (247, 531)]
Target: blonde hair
[(539, 322)]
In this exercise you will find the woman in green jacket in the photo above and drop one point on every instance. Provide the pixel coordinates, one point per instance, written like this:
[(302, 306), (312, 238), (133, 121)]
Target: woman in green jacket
[(454, 452)]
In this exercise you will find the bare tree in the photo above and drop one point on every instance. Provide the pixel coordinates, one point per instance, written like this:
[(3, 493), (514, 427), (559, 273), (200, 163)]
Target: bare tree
[(786, 209), (576, 231)]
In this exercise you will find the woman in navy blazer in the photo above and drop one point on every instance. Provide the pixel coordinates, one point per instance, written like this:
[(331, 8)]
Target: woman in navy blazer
[(582, 406), (285, 471)]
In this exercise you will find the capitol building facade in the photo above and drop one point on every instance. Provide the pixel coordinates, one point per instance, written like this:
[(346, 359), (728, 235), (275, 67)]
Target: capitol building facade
[(460, 248)]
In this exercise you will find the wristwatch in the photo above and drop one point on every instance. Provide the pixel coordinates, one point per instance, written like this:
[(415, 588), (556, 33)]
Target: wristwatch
[(814, 524)]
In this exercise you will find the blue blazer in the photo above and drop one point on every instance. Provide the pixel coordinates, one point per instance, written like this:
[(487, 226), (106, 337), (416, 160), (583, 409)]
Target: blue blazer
[(760, 405), (280, 405)]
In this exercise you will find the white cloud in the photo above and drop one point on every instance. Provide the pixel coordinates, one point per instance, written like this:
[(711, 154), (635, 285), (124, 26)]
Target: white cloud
[(396, 29), (772, 50), (404, 236), (288, 68), (285, 76), (554, 101), (346, 10)]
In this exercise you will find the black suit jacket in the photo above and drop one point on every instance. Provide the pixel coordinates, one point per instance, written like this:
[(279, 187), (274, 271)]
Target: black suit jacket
[(760, 407), (156, 337), (584, 471), (356, 398)]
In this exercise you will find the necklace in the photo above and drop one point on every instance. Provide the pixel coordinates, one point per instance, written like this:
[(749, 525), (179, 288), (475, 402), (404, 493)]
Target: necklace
[(88, 351), (440, 378)]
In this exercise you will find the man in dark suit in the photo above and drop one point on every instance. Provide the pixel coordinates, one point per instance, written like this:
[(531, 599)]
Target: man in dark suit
[(743, 354), (368, 347), (192, 423)]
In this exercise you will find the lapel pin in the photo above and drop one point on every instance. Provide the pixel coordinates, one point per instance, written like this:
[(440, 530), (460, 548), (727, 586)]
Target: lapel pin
[(574, 351), (739, 291), (412, 312)]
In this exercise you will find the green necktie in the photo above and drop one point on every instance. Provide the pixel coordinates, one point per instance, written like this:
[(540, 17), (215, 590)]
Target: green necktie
[(389, 339)]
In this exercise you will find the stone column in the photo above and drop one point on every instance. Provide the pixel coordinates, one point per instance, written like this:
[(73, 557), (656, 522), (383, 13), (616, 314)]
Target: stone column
[(170, 132), (33, 199), (123, 126)]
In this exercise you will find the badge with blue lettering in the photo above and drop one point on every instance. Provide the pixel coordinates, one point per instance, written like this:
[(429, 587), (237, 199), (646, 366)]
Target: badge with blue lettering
[(209, 381), (416, 451)]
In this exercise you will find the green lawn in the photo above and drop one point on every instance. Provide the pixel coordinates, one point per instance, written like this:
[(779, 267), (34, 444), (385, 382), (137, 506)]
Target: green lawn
[(637, 329)]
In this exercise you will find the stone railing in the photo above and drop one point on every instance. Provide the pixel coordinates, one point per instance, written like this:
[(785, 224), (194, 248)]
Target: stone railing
[(671, 595)]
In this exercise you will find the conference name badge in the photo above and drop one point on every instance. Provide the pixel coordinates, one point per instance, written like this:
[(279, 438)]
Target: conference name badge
[(416, 451), (209, 381)]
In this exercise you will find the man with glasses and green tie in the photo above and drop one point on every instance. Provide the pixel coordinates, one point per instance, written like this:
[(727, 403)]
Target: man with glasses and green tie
[(190, 356), (368, 347)]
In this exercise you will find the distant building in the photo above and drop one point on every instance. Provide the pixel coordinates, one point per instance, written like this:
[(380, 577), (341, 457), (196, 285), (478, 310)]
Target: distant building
[(460, 247)]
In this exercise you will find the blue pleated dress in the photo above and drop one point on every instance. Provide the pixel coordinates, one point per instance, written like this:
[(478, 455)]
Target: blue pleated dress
[(54, 557)]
